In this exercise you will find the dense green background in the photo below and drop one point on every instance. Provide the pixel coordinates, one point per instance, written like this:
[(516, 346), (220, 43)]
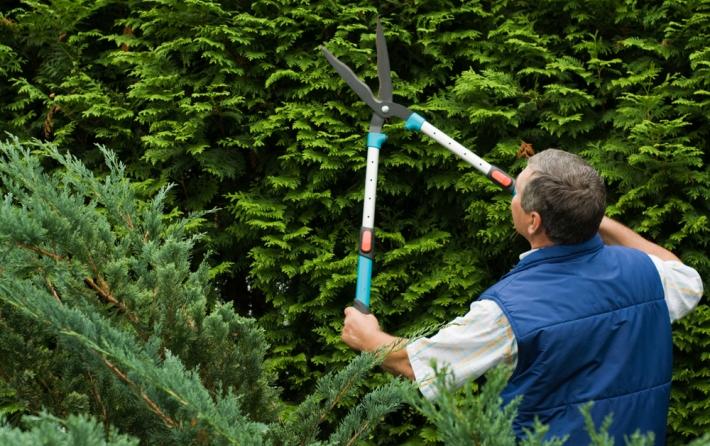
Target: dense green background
[(233, 102)]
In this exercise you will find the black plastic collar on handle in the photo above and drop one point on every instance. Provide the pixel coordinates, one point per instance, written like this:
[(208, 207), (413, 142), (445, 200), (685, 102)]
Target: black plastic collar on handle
[(361, 307), (502, 179)]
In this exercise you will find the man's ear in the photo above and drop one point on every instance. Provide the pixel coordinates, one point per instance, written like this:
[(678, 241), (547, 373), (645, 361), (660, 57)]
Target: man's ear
[(535, 224)]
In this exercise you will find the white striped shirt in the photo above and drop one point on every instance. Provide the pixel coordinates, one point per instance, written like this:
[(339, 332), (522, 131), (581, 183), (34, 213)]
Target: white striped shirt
[(483, 338)]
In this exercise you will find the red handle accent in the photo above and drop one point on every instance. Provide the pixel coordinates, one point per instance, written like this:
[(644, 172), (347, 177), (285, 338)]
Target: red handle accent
[(366, 241), (501, 178)]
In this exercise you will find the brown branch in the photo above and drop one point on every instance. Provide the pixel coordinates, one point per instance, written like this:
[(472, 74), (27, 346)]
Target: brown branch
[(152, 405), (127, 31), (358, 433), (40, 251), (129, 221), (53, 290), (99, 401), (104, 292), (48, 125), (337, 398), (101, 288)]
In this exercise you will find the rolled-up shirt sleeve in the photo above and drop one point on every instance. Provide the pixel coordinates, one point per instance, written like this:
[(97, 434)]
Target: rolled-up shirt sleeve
[(682, 286), (468, 346)]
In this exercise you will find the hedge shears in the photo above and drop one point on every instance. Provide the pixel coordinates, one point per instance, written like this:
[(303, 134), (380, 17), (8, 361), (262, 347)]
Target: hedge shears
[(384, 108)]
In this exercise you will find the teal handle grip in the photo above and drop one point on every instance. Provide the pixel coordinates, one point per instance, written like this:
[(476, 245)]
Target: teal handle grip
[(364, 279)]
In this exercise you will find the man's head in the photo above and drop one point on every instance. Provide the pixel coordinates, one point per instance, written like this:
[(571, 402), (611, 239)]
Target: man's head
[(560, 198)]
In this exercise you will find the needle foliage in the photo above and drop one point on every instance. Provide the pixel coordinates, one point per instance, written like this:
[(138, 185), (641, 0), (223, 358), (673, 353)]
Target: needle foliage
[(103, 313)]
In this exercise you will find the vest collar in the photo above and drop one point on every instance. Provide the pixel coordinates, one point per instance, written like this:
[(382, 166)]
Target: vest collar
[(557, 253)]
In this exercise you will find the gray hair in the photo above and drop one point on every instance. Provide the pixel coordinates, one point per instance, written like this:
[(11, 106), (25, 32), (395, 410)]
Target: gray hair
[(568, 194)]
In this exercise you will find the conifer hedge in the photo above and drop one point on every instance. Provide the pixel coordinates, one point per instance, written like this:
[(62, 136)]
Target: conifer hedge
[(233, 102), (103, 319)]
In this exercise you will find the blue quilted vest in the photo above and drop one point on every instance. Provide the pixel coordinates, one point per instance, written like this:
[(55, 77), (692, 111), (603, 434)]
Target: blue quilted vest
[(591, 324)]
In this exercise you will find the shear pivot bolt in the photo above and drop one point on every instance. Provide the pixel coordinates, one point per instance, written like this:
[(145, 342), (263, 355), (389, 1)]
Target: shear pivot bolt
[(385, 109)]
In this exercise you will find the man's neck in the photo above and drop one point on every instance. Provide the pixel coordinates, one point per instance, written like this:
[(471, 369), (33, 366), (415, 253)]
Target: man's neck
[(538, 241)]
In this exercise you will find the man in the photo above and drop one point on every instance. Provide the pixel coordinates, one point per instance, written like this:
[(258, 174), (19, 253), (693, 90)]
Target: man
[(579, 319)]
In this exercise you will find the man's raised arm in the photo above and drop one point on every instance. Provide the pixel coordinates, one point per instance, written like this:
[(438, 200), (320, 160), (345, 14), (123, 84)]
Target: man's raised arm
[(615, 233)]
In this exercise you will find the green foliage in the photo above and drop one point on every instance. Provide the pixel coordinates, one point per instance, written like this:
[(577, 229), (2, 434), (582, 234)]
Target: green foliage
[(47, 430), (104, 270), (604, 82), (233, 103), (477, 416), (472, 417), (103, 313), (301, 426)]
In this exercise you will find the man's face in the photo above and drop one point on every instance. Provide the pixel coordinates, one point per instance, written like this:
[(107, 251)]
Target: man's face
[(521, 219)]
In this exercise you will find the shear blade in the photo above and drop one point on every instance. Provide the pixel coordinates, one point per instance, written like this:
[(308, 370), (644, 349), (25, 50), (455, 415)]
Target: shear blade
[(360, 88), (383, 65)]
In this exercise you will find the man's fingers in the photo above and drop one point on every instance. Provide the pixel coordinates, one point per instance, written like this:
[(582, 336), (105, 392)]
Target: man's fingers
[(348, 311)]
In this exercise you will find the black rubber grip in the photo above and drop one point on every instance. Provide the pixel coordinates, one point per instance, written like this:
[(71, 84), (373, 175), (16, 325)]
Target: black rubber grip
[(361, 307)]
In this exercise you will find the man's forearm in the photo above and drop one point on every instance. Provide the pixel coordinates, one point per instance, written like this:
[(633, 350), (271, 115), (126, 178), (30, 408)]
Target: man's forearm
[(396, 358), (615, 233)]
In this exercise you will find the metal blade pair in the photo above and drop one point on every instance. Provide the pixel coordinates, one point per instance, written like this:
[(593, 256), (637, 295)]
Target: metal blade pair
[(382, 105)]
